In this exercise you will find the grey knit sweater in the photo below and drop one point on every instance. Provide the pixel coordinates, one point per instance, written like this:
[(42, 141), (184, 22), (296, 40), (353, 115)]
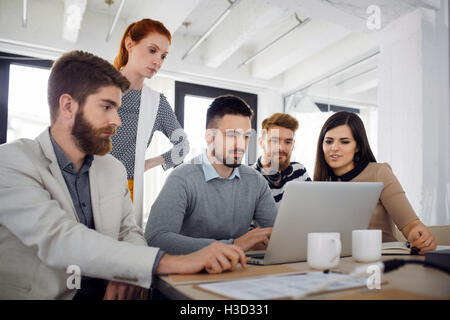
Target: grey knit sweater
[(191, 213)]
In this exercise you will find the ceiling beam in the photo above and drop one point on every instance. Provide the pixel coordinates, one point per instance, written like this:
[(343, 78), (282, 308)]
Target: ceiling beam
[(216, 23), (241, 26), (301, 23), (116, 17), (296, 47), (352, 49), (326, 10)]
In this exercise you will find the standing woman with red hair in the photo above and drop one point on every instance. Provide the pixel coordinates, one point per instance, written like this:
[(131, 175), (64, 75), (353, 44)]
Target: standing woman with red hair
[(143, 49)]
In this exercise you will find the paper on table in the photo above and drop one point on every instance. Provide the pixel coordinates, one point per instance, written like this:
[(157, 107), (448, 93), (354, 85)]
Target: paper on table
[(277, 287)]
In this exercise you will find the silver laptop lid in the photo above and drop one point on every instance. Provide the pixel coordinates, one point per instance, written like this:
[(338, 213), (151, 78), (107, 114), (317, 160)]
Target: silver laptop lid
[(320, 207)]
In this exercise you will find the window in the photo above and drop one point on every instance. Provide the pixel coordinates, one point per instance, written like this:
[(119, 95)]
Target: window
[(191, 103), (28, 114), (24, 110), (194, 123)]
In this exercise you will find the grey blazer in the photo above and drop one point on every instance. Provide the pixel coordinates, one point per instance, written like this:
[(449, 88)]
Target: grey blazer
[(40, 235)]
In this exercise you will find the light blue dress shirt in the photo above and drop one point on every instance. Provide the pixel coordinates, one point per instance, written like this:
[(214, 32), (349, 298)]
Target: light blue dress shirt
[(211, 173)]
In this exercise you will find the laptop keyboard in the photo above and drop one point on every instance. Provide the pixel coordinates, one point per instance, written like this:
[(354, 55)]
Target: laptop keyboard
[(256, 258)]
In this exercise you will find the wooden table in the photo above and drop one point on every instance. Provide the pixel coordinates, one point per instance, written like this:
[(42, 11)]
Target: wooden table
[(407, 282)]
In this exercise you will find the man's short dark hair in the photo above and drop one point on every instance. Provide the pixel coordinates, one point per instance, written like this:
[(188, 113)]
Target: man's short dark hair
[(80, 74), (223, 105)]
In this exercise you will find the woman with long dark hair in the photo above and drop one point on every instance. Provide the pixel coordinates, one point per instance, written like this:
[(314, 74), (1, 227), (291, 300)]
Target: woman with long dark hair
[(344, 154)]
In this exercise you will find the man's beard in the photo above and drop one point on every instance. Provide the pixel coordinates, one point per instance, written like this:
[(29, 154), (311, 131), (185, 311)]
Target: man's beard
[(283, 165), (230, 164), (89, 139)]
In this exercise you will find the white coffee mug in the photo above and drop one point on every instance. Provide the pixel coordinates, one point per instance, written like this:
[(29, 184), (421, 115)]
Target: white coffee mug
[(324, 250), (366, 245)]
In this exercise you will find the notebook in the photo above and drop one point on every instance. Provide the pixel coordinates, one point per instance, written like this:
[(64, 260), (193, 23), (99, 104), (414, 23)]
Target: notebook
[(399, 248), (396, 248)]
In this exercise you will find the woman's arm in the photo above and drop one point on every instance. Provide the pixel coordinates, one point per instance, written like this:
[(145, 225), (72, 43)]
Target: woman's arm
[(153, 162), (419, 236), (167, 123), (397, 205)]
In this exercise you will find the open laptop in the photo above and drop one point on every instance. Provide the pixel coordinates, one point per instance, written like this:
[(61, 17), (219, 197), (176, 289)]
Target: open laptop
[(317, 207)]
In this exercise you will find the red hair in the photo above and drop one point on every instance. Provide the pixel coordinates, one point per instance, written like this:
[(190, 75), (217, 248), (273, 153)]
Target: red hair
[(137, 31)]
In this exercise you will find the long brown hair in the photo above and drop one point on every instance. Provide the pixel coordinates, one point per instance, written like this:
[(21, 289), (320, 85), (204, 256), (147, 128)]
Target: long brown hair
[(322, 171), (137, 31)]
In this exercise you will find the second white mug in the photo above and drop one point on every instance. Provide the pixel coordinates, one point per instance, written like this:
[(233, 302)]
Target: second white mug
[(366, 245), (324, 250)]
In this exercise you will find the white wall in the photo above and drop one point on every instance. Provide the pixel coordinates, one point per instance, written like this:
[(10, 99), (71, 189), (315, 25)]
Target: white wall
[(414, 107), (436, 206), (448, 144), (370, 120)]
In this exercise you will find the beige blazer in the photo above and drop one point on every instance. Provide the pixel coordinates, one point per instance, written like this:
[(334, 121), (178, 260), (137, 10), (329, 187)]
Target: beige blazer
[(40, 235)]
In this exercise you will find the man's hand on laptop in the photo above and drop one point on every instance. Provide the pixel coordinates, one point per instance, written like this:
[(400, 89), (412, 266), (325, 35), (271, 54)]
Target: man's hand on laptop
[(256, 238), (215, 258)]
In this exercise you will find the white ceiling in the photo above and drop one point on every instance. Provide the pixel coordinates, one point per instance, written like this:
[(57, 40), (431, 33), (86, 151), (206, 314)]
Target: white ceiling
[(336, 35)]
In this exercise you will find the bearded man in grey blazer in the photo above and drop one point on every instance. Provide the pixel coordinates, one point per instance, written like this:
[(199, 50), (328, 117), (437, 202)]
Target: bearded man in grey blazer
[(65, 208)]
